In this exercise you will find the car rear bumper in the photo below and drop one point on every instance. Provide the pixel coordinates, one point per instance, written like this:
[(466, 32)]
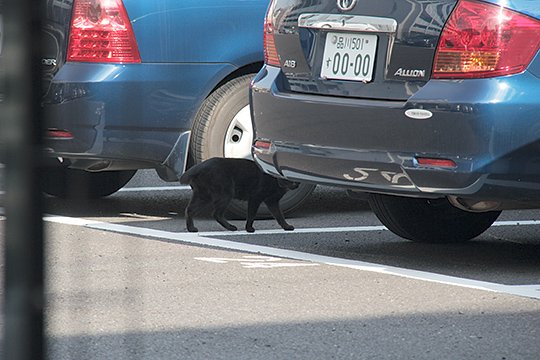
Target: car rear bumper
[(125, 114), (489, 128)]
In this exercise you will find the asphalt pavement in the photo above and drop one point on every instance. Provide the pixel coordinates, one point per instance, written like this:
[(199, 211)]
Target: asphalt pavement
[(126, 281)]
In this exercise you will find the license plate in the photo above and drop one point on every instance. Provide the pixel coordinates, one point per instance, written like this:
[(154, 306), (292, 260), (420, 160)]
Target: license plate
[(349, 56)]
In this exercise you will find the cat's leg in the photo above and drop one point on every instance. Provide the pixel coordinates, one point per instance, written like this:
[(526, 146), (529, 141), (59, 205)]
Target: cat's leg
[(220, 206), (192, 209), (253, 206), (275, 210)]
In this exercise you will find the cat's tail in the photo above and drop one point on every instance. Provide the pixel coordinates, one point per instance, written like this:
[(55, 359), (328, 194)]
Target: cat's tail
[(185, 178), (188, 175)]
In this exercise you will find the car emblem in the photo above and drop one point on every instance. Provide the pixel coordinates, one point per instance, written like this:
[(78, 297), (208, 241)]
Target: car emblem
[(346, 5)]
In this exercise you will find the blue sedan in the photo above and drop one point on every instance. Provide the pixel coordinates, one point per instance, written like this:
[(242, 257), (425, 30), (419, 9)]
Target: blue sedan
[(132, 84), (428, 109)]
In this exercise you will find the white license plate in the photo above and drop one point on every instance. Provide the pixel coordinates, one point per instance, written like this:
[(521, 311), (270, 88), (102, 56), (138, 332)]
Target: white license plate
[(349, 56)]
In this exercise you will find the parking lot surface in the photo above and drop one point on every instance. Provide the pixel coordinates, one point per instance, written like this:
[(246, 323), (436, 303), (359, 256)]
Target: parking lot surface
[(126, 281)]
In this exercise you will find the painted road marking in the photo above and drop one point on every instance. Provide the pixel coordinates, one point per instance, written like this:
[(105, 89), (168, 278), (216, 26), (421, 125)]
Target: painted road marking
[(345, 229), (144, 189), (516, 223), (154, 188), (251, 258), (297, 231), (256, 262), (531, 291)]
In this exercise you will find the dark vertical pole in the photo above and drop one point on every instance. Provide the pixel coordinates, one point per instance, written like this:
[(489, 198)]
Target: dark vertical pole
[(21, 134)]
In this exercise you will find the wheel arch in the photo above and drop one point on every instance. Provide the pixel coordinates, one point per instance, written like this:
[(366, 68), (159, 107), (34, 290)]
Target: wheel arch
[(252, 68)]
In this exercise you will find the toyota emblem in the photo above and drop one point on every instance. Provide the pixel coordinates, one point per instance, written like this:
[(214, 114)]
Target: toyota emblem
[(346, 5)]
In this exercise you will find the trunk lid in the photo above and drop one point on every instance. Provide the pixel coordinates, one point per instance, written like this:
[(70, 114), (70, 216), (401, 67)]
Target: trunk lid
[(380, 49)]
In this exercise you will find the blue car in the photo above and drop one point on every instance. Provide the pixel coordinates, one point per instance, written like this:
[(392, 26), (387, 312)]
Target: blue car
[(133, 84), (428, 109)]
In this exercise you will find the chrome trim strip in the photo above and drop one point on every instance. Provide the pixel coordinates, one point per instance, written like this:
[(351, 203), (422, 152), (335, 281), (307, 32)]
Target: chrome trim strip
[(342, 22)]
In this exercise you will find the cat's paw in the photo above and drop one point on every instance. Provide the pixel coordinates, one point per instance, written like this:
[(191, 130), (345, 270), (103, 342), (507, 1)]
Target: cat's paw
[(288, 227), (250, 229), (192, 229)]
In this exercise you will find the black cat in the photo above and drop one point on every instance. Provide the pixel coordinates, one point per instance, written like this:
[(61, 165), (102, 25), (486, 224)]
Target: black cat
[(216, 181)]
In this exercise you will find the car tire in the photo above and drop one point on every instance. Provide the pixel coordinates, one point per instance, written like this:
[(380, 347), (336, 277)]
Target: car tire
[(69, 183), (429, 220), (223, 128)]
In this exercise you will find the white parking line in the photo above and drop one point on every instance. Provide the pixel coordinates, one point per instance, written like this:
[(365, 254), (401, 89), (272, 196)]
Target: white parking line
[(144, 188), (297, 231), (531, 291), (345, 229), (154, 188), (516, 223)]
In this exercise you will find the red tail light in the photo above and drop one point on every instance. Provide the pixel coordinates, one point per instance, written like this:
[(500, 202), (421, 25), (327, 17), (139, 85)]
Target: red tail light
[(263, 147), (271, 56), (263, 144), (483, 40), (435, 162), (59, 134), (101, 32)]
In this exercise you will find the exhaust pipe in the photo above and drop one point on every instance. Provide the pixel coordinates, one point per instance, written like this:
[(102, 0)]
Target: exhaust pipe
[(474, 205)]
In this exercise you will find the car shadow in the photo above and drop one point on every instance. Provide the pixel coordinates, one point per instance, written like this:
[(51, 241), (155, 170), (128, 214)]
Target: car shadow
[(322, 201), (489, 257)]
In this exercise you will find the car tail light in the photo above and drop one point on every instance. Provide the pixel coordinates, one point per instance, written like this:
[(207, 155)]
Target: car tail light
[(59, 134), (435, 162), (263, 144), (483, 40), (271, 56), (263, 147), (101, 32)]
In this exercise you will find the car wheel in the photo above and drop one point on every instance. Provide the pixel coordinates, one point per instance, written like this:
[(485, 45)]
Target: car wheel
[(429, 220), (66, 183), (223, 128)]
